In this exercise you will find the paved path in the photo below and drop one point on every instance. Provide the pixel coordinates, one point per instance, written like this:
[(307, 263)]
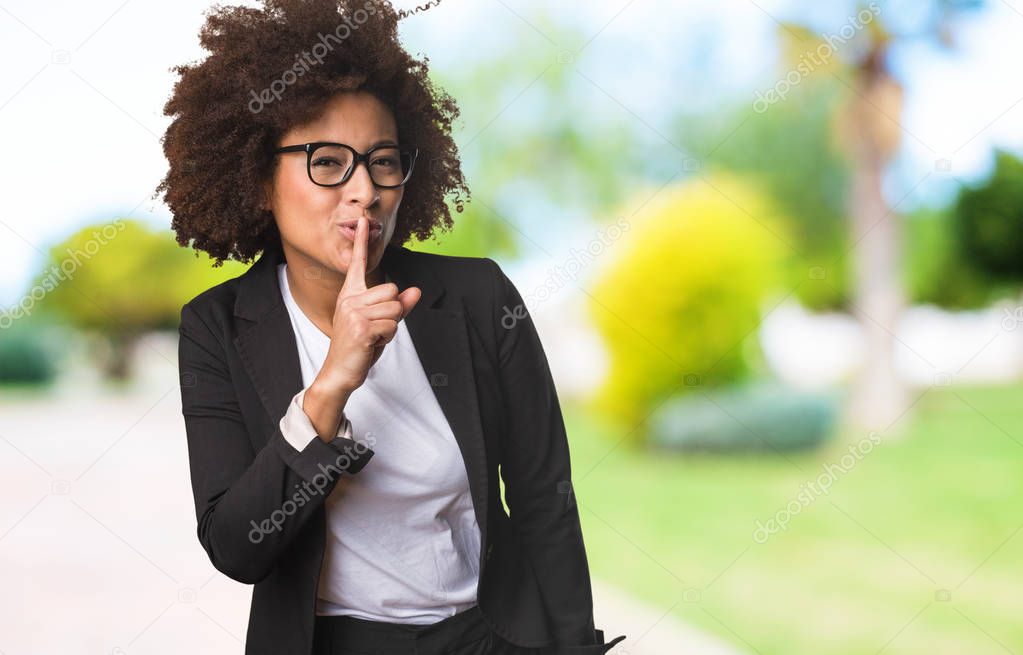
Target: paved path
[(98, 552), (647, 629)]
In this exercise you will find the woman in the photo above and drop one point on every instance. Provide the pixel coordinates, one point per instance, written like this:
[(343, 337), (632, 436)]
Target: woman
[(348, 401)]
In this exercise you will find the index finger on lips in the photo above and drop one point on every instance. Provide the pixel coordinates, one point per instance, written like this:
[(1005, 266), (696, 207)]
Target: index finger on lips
[(355, 278)]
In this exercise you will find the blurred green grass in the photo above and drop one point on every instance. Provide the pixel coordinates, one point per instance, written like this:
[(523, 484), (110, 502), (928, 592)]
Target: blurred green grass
[(859, 570)]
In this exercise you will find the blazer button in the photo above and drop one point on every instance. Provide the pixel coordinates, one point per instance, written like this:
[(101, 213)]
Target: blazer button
[(489, 549)]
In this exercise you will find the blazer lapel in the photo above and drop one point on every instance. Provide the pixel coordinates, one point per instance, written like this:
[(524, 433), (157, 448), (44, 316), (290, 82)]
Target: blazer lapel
[(268, 349), (441, 339), (269, 352)]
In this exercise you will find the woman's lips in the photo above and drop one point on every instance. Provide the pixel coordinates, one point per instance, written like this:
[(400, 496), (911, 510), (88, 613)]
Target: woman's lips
[(349, 232)]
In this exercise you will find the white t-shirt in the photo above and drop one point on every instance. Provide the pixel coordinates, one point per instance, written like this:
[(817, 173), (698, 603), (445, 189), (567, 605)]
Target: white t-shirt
[(403, 544)]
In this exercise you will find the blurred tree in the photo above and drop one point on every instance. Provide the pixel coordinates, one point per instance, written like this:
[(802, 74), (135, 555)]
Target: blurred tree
[(869, 128), (848, 75), (532, 155), (477, 232), (989, 220), (719, 239), (788, 147), (122, 279), (938, 269), (935, 270)]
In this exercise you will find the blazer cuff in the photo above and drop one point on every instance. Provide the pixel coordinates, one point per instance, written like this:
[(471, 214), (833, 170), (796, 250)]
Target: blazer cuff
[(595, 649), (318, 462), (298, 429)]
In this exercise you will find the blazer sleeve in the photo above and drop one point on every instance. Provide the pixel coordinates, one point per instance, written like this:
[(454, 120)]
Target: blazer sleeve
[(537, 474), (297, 427), (249, 505)]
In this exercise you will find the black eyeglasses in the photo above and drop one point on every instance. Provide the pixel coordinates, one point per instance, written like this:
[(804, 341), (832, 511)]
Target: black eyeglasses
[(332, 164)]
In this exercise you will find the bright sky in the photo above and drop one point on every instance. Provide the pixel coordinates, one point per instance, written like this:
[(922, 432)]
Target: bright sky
[(83, 87)]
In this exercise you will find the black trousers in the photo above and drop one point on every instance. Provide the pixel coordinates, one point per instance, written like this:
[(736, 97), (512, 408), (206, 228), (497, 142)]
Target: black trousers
[(465, 633)]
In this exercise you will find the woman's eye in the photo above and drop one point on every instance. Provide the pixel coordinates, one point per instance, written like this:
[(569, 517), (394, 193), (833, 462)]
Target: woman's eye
[(326, 162), (384, 161)]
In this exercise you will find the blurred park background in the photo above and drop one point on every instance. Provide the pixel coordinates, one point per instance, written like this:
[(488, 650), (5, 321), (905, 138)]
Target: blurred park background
[(774, 251)]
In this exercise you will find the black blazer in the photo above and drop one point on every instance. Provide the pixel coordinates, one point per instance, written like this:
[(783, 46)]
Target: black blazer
[(239, 368)]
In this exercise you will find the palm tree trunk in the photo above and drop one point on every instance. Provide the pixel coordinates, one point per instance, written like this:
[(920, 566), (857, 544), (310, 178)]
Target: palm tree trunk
[(880, 397)]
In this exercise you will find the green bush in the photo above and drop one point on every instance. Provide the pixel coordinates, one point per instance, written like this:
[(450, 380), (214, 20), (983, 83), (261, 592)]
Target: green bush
[(971, 254), (990, 220), (28, 354), (757, 417), (684, 292), (936, 268)]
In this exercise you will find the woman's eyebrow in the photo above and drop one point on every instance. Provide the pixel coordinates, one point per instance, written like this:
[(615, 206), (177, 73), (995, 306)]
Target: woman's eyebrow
[(379, 142)]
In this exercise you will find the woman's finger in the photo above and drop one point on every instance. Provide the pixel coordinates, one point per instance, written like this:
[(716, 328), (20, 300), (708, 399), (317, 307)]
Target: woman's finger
[(355, 277)]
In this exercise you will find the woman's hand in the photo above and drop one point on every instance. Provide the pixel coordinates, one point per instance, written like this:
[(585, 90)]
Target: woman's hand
[(365, 320)]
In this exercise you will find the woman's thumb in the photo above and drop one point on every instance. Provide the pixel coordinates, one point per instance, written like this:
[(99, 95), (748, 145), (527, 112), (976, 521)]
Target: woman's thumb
[(408, 299)]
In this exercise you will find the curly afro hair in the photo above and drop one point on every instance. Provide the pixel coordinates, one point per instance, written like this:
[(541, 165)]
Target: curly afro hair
[(274, 68)]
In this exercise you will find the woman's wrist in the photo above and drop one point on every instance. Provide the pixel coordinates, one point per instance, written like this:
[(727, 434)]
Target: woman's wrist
[(329, 387), (324, 403)]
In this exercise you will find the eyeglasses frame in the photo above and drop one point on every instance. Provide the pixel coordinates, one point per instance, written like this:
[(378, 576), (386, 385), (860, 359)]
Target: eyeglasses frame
[(357, 157)]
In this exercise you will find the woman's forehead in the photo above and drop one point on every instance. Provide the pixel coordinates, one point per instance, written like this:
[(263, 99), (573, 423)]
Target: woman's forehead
[(356, 118)]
